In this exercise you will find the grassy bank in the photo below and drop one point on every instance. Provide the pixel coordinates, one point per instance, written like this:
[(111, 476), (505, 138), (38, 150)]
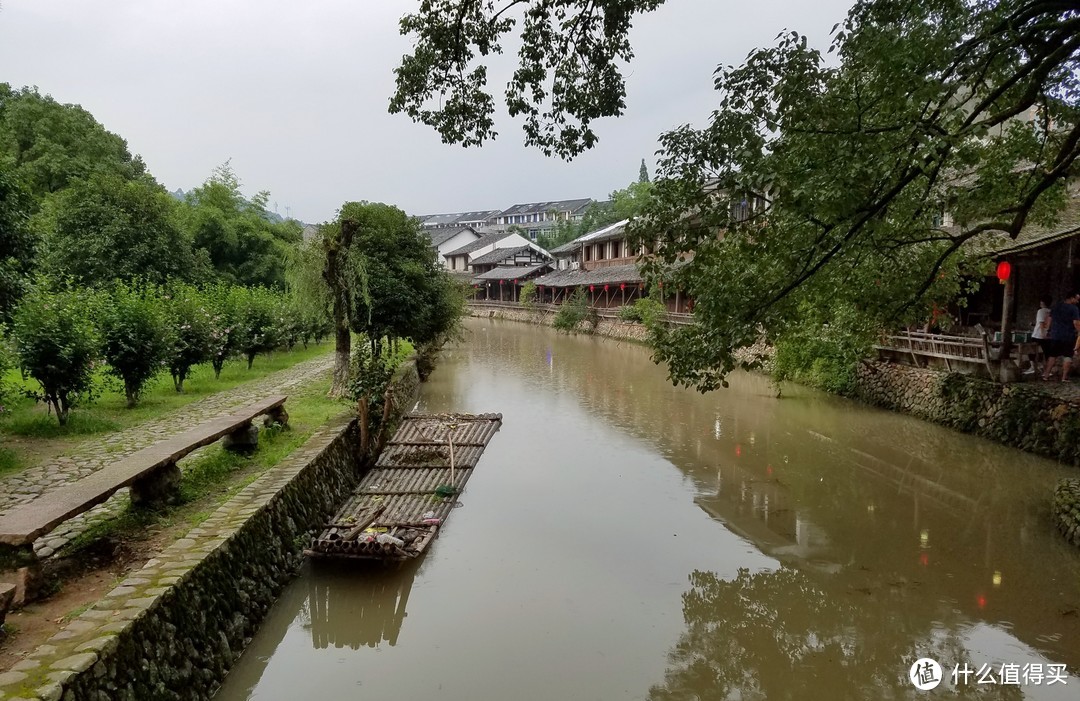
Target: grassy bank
[(29, 433), (215, 474)]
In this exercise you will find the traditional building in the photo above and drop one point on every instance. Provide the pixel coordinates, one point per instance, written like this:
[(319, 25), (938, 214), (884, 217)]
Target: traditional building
[(475, 219), (537, 217), (444, 241)]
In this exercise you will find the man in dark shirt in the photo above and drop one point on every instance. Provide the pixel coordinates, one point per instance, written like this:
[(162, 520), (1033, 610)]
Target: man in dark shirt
[(1064, 323)]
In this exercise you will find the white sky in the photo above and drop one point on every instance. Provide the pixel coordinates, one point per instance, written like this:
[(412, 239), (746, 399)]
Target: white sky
[(295, 93)]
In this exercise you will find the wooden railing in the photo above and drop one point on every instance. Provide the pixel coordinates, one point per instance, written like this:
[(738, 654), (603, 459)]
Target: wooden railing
[(954, 349)]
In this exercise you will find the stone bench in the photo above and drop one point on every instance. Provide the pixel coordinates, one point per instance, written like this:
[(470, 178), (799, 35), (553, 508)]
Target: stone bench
[(151, 473)]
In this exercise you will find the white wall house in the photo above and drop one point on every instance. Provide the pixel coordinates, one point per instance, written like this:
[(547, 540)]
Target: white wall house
[(446, 240)]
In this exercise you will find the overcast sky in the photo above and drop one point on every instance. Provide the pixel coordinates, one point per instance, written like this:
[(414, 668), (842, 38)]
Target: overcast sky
[(295, 93)]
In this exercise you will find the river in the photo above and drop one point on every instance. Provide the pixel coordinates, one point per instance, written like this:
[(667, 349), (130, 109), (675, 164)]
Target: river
[(625, 539)]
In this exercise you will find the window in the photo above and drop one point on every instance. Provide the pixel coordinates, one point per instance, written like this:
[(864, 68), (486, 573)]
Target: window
[(615, 249), (599, 251)]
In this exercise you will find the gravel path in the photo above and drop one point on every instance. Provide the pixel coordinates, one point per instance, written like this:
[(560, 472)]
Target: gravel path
[(92, 455)]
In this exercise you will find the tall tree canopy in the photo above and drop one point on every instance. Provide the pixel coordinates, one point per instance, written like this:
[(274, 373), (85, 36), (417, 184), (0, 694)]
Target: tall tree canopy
[(17, 245), (238, 238), (568, 72), (401, 292), (834, 183), (105, 228), (862, 182), (51, 144)]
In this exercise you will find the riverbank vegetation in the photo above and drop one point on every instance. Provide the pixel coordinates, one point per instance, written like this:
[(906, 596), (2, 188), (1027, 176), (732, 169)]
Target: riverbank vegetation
[(868, 180)]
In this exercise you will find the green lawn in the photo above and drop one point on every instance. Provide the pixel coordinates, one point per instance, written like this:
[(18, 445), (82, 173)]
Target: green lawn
[(29, 433)]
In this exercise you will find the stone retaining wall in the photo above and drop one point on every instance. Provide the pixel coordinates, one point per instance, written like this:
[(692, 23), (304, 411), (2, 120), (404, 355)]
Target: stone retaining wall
[(1067, 509), (1017, 415), (172, 630), (613, 328)]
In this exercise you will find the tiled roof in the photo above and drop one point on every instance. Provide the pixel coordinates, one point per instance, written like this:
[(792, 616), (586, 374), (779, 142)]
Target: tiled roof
[(599, 276), (498, 255), (441, 236), (1036, 235), (511, 272), (542, 207), (433, 221), (479, 243)]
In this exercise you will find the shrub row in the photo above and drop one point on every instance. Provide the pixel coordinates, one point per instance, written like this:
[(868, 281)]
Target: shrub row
[(60, 334)]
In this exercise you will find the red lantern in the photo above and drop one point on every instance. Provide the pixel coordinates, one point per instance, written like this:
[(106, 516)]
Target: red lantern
[(1004, 270), (605, 288), (592, 288), (515, 281), (500, 282), (622, 285)]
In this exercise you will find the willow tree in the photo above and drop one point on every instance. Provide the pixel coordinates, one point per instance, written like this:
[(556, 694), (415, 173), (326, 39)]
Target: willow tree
[(823, 188)]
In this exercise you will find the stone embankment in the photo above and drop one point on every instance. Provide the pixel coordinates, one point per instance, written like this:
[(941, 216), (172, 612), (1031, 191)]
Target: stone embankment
[(1067, 509), (1021, 415), (173, 629), (613, 328)]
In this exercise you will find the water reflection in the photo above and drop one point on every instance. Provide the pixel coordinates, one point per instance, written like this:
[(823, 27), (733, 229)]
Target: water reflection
[(629, 539), (342, 614), (781, 634)]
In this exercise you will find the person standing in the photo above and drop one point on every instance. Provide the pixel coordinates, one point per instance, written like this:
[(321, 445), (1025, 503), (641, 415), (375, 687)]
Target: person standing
[(1041, 333), (1064, 323)]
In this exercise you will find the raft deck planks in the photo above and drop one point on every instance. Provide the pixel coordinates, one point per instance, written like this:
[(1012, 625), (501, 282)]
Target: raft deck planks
[(400, 489)]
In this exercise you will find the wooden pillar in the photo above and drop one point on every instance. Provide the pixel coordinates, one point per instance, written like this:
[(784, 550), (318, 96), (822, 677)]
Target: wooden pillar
[(1007, 370), (677, 309)]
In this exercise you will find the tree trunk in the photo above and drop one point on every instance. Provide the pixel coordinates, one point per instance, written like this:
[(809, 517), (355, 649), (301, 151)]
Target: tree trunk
[(387, 407), (251, 359), (131, 395), (365, 429), (336, 249), (178, 382)]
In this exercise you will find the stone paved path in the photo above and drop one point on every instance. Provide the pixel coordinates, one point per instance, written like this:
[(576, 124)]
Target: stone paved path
[(92, 455)]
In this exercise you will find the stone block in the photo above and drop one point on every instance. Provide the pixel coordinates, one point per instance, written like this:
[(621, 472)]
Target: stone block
[(243, 440), (162, 486)]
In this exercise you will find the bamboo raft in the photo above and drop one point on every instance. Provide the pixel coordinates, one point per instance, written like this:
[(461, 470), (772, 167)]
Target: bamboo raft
[(400, 504)]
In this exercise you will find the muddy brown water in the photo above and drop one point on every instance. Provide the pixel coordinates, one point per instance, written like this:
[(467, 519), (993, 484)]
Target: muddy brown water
[(625, 539)]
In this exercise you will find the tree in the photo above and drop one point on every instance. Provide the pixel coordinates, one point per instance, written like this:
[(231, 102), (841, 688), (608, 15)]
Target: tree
[(135, 335), (643, 173), (51, 145), (242, 244), (829, 181), (57, 344), (403, 293), (567, 76), (256, 321), (189, 320), (308, 291), (17, 244), (222, 302), (961, 106), (345, 277), (107, 228)]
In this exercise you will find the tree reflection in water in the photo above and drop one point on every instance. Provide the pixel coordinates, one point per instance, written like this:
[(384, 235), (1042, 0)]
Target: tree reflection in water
[(776, 635)]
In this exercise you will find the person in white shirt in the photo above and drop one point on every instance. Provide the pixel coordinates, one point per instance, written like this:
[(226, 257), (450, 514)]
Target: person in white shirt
[(1041, 332)]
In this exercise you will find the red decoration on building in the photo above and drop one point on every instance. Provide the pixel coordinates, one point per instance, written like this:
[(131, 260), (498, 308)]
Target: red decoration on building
[(1004, 270), (592, 288), (515, 281), (622, 285)]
